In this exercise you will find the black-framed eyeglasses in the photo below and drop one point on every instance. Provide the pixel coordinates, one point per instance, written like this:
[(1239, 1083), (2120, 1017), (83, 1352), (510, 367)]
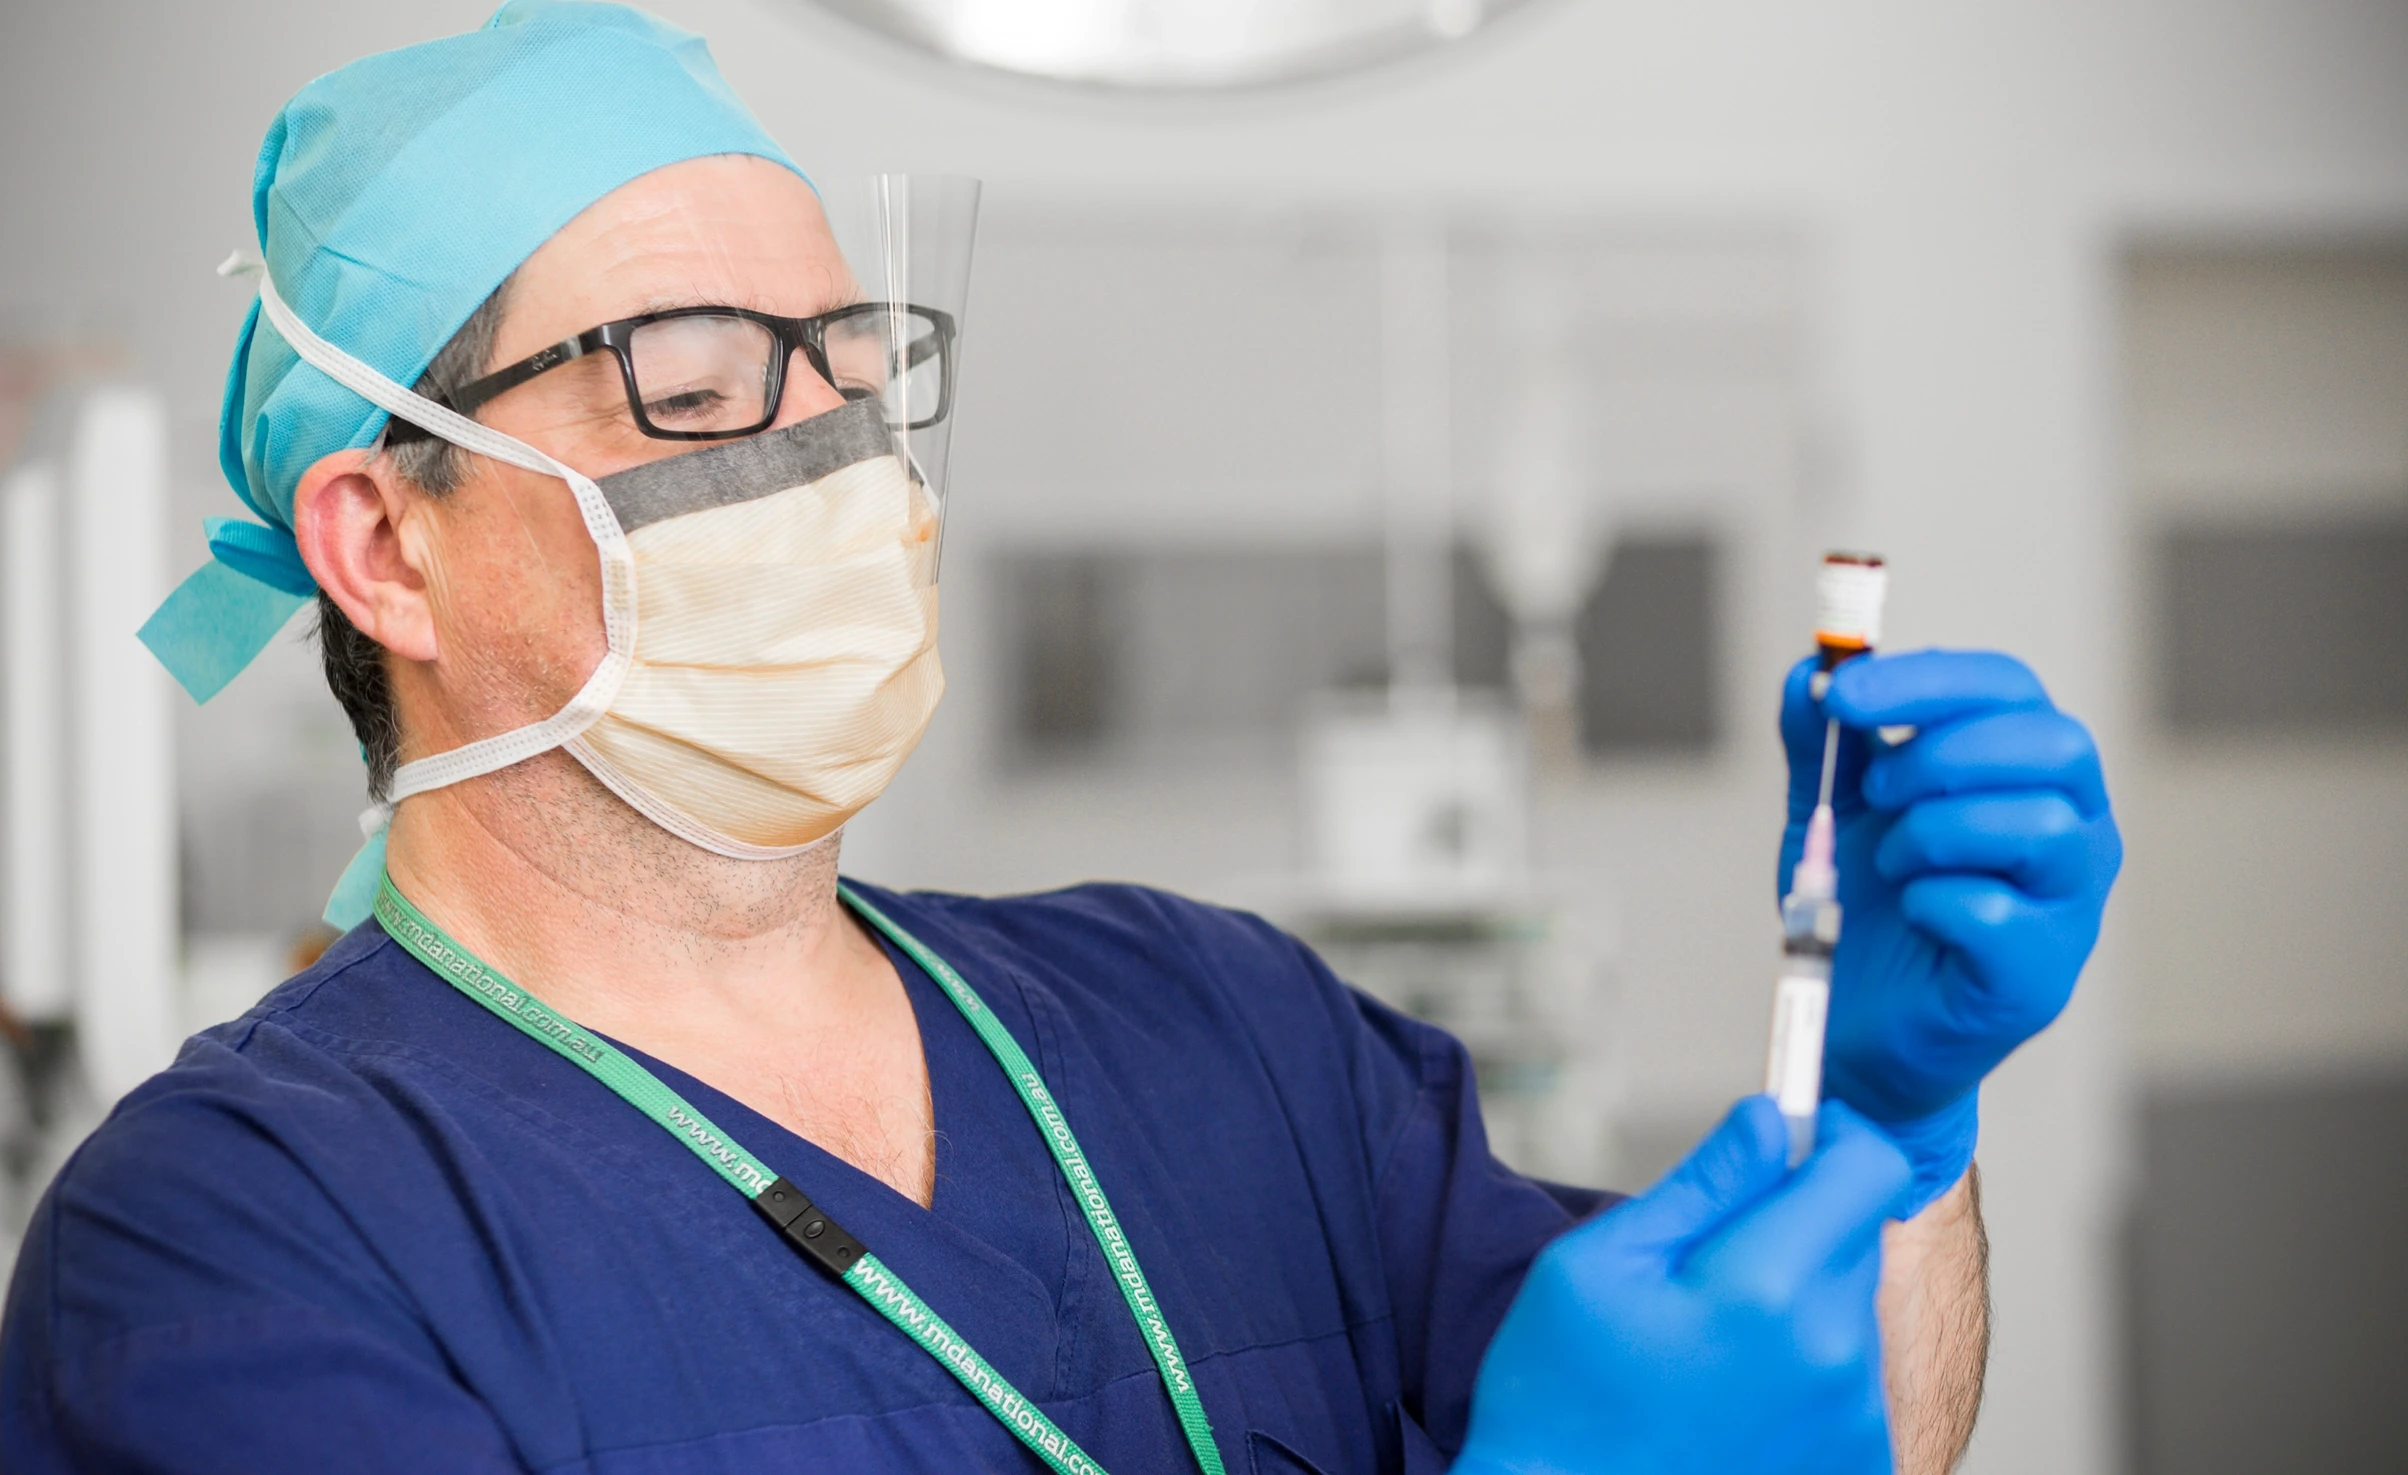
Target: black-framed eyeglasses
[(718, 373)]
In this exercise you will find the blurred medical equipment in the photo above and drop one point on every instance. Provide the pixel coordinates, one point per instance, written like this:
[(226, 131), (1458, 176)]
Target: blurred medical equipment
[(1417, 507), (1848, 594), (1418, 885), (1172, 43), (88, 913), (1721, 1321), (1419, 891), (1539, 529)]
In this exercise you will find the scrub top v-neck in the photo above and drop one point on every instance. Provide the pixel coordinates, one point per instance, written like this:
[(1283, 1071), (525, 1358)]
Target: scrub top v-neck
[(997, 1218), (365, 1227), (811, 1227)]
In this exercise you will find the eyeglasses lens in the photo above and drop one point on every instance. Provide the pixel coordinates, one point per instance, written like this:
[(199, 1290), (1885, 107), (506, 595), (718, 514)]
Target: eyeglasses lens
[(893, 355), (703, 373)]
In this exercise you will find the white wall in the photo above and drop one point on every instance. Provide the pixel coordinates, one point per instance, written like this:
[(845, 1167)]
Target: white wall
[(1961, 175), (2269, 901)]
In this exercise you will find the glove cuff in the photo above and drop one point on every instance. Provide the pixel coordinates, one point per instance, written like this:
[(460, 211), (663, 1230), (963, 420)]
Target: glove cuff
[(1939, 1146)]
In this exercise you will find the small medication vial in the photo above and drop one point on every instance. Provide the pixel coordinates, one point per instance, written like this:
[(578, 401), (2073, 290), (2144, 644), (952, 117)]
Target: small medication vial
[(1848, 595)]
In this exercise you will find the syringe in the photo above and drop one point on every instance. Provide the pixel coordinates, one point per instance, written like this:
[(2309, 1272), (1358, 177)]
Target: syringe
[(1848, 597)]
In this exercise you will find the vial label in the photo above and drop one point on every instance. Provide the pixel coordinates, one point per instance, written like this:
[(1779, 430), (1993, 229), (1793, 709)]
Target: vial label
[(1848, 598)]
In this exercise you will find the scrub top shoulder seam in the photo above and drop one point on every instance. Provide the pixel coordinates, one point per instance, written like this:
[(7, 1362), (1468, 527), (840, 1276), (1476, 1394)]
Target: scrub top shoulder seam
[(696, 1185), (349, 1047), (264, 1011), (1425, 1103)]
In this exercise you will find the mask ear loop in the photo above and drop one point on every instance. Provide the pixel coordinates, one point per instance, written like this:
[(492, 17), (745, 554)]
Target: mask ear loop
[(601, 524)]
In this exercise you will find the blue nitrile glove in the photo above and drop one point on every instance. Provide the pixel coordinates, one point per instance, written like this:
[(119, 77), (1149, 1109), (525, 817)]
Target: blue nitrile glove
[(1974, 862), (1720, 1322)]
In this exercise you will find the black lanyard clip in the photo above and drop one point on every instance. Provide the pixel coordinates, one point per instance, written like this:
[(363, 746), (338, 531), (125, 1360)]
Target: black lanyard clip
[(811, 1231)]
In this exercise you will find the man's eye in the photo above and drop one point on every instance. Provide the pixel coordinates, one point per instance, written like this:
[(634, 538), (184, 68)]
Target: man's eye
[(685, 406)]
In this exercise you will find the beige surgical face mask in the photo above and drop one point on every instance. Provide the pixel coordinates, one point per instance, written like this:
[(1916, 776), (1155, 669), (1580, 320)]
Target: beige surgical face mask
[(784, 661), (769, 607)]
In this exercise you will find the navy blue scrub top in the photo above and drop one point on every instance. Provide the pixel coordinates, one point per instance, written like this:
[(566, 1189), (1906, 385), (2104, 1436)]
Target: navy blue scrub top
[(370, 1227)]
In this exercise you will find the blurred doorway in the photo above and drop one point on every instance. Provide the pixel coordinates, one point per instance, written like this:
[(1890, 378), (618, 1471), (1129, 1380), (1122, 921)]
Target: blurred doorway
[(2266, 906)]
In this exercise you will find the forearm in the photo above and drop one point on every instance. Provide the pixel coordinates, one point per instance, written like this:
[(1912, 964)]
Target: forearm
[(1935, 1327)]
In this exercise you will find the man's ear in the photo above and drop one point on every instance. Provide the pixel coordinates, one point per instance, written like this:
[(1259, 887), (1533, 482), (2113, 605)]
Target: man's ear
[(362, 533)]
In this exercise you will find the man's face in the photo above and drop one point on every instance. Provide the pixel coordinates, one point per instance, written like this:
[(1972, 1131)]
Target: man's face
[(514, 583)]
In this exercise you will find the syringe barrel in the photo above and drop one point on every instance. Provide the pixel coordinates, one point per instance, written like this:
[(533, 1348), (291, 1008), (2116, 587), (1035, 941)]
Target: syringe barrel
[(1793, 1062), (1793, 1066)]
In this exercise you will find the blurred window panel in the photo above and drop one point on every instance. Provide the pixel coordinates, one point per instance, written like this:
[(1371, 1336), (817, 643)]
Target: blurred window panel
[(1174, 656), (1647, 644), (1646, 638), (1062, 698), (1483, 630), (2285, 626), (2265, 1321)]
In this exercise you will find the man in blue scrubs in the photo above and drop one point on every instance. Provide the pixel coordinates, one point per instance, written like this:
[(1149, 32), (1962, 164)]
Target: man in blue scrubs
[(625, 1139)]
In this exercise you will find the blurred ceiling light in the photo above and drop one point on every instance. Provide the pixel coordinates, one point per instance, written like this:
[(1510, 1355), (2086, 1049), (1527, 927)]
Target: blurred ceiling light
[(1173, 44)]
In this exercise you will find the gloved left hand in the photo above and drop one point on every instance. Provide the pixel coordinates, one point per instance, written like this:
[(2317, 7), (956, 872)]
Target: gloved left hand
[(1974, 864), (1722, 1321)]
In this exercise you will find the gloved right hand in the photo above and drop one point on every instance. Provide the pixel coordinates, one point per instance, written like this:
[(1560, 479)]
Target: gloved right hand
[(1720, 1322)]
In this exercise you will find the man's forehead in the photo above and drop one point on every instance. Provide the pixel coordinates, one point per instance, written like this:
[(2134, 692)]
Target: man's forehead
[(725, 231)]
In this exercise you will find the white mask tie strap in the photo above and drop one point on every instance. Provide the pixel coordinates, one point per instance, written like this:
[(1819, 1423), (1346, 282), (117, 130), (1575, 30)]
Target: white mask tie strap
[(618, 561)]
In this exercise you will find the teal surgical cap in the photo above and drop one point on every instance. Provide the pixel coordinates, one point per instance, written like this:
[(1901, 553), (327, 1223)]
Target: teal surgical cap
[(391, 198)]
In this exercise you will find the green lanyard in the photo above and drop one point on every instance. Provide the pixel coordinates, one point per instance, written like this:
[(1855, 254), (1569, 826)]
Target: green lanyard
[(812, 1231)]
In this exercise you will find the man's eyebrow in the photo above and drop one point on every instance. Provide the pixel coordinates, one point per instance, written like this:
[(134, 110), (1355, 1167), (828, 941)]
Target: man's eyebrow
[(678, 302)]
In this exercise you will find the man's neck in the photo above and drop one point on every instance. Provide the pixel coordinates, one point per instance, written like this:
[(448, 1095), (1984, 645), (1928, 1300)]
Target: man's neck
[(748, 975), (549, 877)]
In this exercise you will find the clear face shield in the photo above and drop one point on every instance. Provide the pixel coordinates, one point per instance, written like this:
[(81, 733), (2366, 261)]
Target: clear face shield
[(756, 441), (907, 239)]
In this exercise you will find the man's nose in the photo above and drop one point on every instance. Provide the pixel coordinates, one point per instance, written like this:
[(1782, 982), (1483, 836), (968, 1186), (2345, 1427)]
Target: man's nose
[(807, 393)]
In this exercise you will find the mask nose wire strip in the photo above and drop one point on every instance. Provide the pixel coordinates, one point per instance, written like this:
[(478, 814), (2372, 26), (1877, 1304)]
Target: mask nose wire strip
[(618, 561)]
